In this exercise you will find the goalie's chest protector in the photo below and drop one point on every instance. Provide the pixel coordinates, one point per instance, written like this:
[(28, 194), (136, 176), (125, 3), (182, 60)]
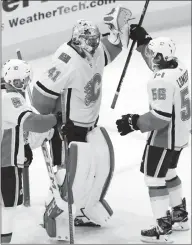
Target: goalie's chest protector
[(84, 97)]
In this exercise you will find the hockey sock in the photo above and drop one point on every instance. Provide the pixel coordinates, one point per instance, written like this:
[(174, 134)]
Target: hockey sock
[(159, 197), (175, 191)]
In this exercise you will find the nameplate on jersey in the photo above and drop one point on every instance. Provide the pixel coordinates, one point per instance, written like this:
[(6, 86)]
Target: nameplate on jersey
[(16, 102), (64, 57)]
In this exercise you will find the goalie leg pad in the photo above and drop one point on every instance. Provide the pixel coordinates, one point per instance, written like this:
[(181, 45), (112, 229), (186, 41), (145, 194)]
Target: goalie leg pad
[(81, 156), (96, 207), (92, 174), (104, 163), (112, 162), (100, 213)]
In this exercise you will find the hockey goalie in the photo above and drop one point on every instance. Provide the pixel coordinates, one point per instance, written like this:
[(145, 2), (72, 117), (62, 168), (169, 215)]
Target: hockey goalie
[(77, 66)]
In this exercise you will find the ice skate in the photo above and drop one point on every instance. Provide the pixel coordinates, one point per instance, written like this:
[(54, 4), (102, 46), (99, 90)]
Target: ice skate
[(180, 220), (84, 222), (159, 233)]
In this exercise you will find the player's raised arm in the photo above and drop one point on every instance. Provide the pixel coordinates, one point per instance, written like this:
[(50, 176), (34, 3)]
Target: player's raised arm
[(140, 35), (118, 23)]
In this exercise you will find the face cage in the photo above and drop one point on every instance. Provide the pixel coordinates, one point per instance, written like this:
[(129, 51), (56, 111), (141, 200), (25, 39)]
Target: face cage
[(21, 84), (91, 43)]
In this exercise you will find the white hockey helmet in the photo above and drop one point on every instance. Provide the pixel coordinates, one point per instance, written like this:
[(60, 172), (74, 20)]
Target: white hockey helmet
[(160, 50), (17, 73), (86, 35)]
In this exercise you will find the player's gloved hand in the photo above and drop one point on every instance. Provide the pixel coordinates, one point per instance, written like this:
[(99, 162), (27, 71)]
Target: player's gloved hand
[(118, 24), (127, 124), (66, 129), (139, 34), (28, 155), (58, 116)]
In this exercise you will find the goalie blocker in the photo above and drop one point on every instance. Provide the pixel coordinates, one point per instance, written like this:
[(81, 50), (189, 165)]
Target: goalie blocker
[(91, 171)]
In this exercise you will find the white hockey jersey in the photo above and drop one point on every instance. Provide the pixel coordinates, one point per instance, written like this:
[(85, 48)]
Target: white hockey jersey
[(169, 100), (82, 80), (13, 137)]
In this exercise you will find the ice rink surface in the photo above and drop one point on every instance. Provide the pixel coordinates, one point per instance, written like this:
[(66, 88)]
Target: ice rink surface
[(128, 195)]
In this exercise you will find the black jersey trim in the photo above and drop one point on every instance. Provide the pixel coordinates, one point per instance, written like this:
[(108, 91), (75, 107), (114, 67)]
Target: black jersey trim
[(46, 89)]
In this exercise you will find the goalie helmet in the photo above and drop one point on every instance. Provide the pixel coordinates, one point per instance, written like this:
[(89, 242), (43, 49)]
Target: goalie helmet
[(160, 51), (86, 35), (17, 73)]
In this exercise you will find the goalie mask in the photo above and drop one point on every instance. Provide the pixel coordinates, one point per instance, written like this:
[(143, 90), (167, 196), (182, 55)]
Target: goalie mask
[(17, 73), (160, 52), (86, 36)]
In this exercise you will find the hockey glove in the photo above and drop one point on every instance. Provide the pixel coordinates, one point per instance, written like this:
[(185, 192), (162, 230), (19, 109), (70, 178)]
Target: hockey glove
[(67, 130), (139, 34), (118, 23), (58, 116), (28, 155), (127, 124)]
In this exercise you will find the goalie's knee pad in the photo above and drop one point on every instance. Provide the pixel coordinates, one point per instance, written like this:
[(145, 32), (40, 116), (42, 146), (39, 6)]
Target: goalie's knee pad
[(56, 221)]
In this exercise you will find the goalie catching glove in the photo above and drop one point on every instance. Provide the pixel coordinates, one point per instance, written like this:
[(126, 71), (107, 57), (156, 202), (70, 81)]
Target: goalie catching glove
[(118, 23), (127, 124)]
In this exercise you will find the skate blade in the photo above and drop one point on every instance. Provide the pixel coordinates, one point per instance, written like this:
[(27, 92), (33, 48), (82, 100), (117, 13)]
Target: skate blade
[(181, 226), (55, 241), (162, 240)]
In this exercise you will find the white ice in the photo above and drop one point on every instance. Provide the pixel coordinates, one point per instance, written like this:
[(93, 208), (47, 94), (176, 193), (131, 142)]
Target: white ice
[(128, 194)]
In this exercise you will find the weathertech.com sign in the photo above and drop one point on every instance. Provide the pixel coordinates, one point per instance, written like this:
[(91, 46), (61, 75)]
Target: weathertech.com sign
[(11, 6), (27, 19)]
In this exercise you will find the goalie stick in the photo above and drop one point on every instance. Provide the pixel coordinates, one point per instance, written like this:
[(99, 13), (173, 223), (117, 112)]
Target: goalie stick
[(54, 185), (26, 185), (69, 187), (128, 58)]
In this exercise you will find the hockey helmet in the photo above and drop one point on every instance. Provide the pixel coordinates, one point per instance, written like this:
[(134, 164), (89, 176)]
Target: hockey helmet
[(17, 73), (160, 51), (86, 35)]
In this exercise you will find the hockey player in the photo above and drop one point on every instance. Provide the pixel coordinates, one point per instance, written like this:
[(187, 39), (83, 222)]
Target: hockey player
[(20, 125), (168, 125), (77, 66)]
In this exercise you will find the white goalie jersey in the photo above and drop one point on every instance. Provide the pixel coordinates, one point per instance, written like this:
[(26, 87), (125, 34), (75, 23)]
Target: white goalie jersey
[(82, 80)]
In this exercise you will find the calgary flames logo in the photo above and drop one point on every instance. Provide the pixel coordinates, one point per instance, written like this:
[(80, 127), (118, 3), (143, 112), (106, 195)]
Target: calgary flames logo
[(93, 89)]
